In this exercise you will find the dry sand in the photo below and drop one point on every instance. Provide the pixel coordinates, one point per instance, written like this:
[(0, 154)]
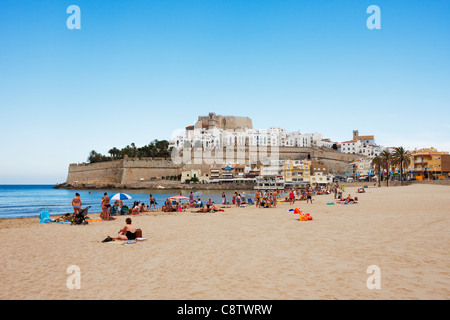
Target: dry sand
[(244, 253)]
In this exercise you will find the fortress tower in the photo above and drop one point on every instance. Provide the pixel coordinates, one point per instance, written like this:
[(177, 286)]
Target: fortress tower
[(225, 122)]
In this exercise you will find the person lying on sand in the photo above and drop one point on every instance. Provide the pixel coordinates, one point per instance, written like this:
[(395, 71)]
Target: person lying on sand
[(349, 199), (66, 217), (208, 208)]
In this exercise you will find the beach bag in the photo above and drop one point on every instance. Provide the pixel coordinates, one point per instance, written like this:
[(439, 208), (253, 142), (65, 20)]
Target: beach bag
[(138, 233), (45, 217)]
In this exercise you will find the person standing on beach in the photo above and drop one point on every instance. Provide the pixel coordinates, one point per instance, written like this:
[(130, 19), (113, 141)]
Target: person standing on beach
[(76, 203), (275, 197), (308, 197), (152, 202), (291, 197), (258, 198), (105, 207), (224, 198)]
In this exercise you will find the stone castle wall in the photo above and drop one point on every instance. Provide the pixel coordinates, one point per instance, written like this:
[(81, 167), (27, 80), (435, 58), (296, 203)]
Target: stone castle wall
[(132, 171)]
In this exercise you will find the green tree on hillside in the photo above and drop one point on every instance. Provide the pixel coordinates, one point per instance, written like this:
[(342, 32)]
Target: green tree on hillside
[(156, 148)]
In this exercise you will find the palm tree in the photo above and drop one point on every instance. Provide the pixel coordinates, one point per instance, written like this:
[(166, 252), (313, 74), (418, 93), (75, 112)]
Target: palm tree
[(386, 156), (402, 158), (114, 152), (376, 163)]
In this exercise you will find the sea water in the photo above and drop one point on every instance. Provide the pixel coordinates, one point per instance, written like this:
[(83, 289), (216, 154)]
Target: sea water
[(19, 201)]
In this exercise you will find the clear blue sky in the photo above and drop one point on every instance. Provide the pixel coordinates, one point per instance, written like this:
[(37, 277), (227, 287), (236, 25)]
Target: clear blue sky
[(138, 70)]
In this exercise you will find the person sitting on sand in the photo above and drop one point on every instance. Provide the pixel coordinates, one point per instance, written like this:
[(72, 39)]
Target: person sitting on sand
[(168, 206), (135, 210), (349, 199), (212, 207), (126, 233)]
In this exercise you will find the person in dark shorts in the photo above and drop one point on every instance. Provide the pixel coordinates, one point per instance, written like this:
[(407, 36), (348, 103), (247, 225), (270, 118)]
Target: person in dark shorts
[(127, 233), (308, 197), (152, 202)]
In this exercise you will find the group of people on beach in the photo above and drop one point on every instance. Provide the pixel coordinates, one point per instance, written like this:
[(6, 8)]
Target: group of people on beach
[(266, 199)]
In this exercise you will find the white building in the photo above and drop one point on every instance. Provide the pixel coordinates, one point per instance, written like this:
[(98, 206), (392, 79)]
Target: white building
[(200, 135), (321, 179), (351, 146)]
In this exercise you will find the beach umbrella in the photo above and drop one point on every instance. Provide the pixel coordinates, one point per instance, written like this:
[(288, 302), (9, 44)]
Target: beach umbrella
[(121, 196), (178, 198)]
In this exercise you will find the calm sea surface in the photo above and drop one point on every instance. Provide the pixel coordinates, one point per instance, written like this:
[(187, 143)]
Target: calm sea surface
[(17, 201)]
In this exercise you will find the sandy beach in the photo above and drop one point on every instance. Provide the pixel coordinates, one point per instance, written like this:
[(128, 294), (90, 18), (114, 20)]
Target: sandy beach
[(244, 253)]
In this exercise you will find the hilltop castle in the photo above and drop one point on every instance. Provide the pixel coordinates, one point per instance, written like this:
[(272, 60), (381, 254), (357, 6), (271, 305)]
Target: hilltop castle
[(213, 121)]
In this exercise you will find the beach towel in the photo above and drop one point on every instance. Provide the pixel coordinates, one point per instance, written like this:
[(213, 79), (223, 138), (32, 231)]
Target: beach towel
[(45, 217)]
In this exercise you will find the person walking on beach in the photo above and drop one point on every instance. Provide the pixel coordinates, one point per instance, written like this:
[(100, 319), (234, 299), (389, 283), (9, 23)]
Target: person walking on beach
[(224, 198), (76, 203), (238, 200), (152, 202), (291, 197)]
